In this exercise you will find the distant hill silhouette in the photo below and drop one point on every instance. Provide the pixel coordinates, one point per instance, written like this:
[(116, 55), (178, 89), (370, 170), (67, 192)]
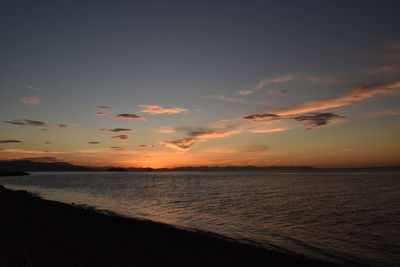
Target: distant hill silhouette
[(29, 165), (236, 168), (49, 164)]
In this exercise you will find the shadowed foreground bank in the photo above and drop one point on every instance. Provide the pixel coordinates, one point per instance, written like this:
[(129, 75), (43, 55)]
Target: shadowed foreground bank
[(36, 232)]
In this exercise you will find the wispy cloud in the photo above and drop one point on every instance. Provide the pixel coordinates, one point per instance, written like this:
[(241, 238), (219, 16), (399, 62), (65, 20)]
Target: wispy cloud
[(121, 137), (118, 148), (102, 113), (277, 92), (387, 112), (31, 100), (223, 98), (264, 82), (33, 87), (156, 109), (363, 91), (31, 151), (209, 133), (393, 45), (165, 129), (128, 116), (25, 122), (65, 125), (116, 130), (104, 108), (269, 130), (93, 142), (10, 141)]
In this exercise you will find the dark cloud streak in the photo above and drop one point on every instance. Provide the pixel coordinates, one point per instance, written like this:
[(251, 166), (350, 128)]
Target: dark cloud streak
[(25, 122), (116, 130), (128, 116), (10, 141), (317, 119)]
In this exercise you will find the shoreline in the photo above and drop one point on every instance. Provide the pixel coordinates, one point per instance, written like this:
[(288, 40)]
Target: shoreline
[(39, 232)]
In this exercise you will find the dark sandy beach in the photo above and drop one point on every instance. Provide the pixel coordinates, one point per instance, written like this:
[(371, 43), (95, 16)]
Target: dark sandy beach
[(37, 232)]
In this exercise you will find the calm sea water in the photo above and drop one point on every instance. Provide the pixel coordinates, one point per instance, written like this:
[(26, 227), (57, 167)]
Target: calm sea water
[(346, 217)]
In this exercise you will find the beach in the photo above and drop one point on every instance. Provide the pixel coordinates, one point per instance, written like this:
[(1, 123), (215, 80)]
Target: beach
[(38, 232)]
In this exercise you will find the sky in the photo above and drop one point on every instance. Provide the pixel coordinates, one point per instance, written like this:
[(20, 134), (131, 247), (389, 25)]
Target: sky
[(194, 83)]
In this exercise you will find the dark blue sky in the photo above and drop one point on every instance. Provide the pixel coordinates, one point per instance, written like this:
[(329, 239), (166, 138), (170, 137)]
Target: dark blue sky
[(219, 60)]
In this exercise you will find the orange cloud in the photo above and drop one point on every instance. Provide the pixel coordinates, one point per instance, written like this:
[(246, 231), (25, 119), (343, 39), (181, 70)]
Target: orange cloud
[(269, 130), (31, 100), (165, 129), (362, 92), (206, 134), (156, 109), (30, 151)]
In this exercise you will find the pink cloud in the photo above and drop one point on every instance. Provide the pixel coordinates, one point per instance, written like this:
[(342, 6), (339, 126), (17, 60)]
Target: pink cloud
[(269, 130), (102, 113), (103, 108), (31, 100), (156, 109), (362, 92), (165, 129)]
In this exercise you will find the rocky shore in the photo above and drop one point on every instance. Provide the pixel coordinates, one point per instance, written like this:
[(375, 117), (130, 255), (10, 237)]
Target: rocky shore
[(37, 232)]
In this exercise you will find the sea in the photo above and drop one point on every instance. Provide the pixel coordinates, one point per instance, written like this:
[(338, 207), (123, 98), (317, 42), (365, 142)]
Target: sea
[(345, 217)]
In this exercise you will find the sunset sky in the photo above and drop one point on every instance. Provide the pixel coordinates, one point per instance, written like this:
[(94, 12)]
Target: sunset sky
[(190, 83)]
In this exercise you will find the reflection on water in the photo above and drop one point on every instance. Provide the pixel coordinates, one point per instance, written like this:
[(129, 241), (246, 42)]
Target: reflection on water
[(341, 216)]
